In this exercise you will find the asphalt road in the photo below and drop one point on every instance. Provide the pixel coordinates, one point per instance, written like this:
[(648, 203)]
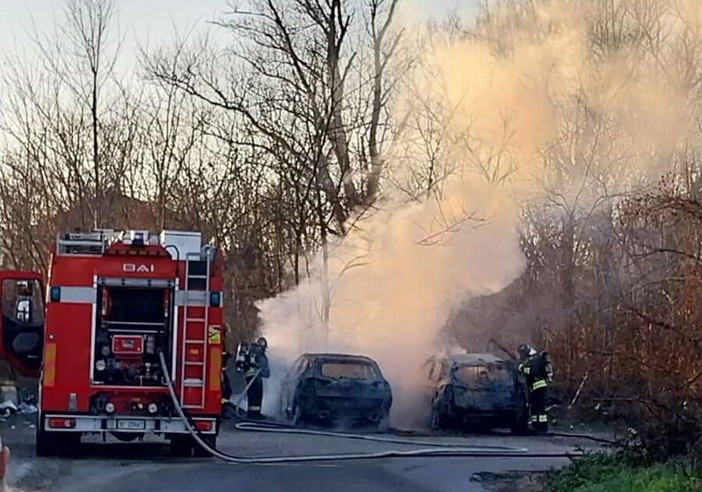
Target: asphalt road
[(147, 466)]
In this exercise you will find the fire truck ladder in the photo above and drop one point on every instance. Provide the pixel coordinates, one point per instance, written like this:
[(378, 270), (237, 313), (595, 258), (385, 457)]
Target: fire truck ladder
[(197, 280)]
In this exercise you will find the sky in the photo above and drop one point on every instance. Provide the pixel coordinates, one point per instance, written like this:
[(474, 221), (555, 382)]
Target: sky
[(152, 22)]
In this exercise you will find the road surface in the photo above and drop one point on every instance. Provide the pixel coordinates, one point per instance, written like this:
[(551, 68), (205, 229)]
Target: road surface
[(147, 466)]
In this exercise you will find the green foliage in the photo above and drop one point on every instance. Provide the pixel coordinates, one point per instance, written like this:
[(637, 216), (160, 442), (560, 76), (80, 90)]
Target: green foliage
[(623, 473)]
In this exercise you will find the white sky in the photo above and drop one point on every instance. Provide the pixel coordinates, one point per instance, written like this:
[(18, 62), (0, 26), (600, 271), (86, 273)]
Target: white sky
[(153, 21)]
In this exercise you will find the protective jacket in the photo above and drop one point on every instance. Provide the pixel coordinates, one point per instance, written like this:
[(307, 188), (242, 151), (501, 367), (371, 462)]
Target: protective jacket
[(538, 370), (258, 360)]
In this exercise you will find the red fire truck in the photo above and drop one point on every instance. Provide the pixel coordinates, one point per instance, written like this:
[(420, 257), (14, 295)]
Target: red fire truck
[(115, 303)]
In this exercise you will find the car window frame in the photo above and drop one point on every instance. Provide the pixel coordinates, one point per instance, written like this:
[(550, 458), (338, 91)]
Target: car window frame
[(373, 368), (301, 367)]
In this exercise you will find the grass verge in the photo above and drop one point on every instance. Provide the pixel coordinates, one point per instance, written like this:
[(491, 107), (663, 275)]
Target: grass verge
[(612, 473)]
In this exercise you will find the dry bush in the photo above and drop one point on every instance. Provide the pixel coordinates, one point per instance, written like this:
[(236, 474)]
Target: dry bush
[(645, 362)]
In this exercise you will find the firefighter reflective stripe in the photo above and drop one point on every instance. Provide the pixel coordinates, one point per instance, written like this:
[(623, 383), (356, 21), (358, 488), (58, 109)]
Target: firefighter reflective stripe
[(542, 418), (524, 369), (50, 364), (78, 295), (533, 419), (539, 383), (215, 369), (254, 409)]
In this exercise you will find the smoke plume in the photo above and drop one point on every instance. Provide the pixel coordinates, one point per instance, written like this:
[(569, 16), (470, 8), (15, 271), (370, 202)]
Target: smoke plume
[(536, 103)]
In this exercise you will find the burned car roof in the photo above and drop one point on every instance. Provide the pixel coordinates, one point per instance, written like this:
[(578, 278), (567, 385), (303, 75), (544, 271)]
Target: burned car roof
[(475, 358), (335, 356)]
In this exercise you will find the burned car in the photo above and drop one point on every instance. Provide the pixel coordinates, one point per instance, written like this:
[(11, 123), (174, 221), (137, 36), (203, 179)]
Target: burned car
[(334, 388), (476, 389)]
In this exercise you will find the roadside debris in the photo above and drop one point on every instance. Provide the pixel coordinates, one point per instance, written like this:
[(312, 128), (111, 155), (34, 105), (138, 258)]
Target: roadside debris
[(8, 407)]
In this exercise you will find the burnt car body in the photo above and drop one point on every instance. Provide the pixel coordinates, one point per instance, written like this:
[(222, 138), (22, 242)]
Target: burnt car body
[(476, 389), (334, 387)]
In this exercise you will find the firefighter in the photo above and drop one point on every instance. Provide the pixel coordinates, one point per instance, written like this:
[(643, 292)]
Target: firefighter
[(226, 356), (257, 370), (226, 384), (536, 366), (24, 302)]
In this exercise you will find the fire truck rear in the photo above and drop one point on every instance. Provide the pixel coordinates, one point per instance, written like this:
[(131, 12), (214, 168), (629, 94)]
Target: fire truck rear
[(115, 302)]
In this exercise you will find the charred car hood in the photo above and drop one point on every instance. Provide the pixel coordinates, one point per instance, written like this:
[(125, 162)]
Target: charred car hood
[(486, 396), (350, 388)]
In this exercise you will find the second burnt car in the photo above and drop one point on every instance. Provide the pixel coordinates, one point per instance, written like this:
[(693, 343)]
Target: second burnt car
[(476, 389), (331, 388)]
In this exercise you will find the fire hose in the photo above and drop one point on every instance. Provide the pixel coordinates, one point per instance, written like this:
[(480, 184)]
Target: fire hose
[(282, 428), (439, 450)]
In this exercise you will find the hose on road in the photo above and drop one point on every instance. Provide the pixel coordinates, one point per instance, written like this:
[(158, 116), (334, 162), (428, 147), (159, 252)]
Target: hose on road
[(251, 425), (248, 426), (443, 451)]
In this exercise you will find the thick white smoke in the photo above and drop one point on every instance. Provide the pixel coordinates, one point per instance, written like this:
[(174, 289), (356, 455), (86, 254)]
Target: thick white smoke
[(394, 281), (524, 109)]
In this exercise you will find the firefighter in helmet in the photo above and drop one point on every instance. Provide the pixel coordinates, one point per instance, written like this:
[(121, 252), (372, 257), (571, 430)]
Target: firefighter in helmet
[(256, 370), (24, 302), (226, 356), (537, 368)]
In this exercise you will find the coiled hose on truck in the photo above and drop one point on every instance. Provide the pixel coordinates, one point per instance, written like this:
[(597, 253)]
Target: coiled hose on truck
[(434, 450)]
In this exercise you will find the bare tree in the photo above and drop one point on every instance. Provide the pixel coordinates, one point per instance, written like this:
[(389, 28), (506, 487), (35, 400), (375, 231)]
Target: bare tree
[(88, 33), (300, 77)]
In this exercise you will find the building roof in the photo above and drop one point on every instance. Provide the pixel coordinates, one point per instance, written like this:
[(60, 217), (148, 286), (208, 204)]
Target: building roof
[(114, 210)]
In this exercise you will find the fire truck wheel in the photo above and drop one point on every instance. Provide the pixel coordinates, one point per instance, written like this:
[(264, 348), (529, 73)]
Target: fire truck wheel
[(68, 444), (45, 445), (211, 441), (181, 445), (51, 445)]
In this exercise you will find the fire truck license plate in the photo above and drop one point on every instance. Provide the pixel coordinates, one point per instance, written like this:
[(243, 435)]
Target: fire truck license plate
[(131, 424)]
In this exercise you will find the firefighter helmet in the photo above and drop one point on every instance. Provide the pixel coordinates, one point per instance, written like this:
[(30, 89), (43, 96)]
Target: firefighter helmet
[(525, 350), (24, 288)]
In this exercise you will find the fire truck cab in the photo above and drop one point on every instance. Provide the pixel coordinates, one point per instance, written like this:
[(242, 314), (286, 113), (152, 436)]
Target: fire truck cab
[(22, 321), (115, 302)]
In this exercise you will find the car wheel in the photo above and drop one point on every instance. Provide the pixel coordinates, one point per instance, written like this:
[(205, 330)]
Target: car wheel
[(438, 421), (520, 424), (383, 423), (297, 416), (283, 410)]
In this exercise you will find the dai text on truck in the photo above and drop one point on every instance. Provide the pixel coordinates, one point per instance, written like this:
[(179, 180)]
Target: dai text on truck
[(115, 301)]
